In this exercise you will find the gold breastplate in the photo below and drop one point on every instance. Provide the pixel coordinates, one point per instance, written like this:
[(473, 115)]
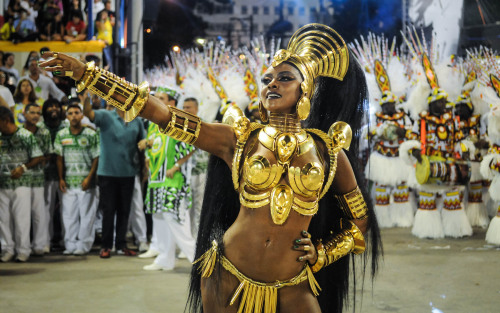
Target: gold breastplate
[(285, 171), (264, 179)]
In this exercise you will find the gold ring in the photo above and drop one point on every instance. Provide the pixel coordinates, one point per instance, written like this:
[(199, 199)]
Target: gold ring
[(307, 248), (55, 55), (68, 73)]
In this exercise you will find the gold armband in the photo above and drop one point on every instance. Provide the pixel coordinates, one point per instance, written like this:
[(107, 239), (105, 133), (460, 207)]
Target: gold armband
[(183, 126), (116, 91), (350, 239), (353, 204)]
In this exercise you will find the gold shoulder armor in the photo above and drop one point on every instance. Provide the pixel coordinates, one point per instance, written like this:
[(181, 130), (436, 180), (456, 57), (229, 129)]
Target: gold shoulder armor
[(341, 134), (232, 113)]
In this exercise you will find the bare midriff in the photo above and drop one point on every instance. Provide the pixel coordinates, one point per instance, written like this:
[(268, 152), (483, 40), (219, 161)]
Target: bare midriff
[(263, 250)]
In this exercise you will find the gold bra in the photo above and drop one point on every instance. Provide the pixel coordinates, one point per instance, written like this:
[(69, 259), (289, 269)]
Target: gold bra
[(261, 179), (260, 184)]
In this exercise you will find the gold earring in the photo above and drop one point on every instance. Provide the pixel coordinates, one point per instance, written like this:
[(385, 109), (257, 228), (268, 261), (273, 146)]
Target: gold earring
[(262, 113), (303, 107)]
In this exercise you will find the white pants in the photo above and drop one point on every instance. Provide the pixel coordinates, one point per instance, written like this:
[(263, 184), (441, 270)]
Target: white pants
[(170, 232), (39, 219), (78, 209), (51, 189), (15, 218), (197, 191), (137, 219)]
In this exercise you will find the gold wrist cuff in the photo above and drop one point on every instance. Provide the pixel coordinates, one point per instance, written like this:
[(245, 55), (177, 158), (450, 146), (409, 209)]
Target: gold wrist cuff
[(183, 126), (353, 204), (349, 240), (116, 91)]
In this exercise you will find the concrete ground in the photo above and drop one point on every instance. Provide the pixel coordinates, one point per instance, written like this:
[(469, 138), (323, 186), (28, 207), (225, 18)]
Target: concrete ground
[(448, 276)]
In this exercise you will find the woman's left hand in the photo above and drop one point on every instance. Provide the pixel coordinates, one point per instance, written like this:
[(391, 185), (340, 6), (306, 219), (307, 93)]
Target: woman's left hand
[(305, 244)]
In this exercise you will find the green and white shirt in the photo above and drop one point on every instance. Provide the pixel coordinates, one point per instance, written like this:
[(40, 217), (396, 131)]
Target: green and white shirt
[(42, 136), (78, 152), (15, 150)]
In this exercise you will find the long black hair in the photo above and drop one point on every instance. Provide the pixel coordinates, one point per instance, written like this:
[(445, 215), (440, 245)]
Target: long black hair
[(332, 101)]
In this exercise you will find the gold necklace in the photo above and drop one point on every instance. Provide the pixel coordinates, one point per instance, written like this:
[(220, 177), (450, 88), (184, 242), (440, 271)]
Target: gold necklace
[(284, 122)]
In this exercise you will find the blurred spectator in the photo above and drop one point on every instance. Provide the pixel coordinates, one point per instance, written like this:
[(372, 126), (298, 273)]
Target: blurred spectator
[(111, 13), (43, 85), (5, 93), (32, 54), (25, 29), (14, 9), (7, 28), (1, 58), (24, 95), (75, 28), (97, 7), (52, 30), (32, 8), (104, 27), (105, 34), (50, 21), (8, 67)]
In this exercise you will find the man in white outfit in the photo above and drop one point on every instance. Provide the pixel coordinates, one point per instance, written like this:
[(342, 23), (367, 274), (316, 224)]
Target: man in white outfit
[(77, 150), (19, 151), (39, 214)]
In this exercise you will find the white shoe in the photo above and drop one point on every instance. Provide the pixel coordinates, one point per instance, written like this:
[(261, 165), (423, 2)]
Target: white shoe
[(143, 246), (68, 252), (154, 267), (22, 257), (79, 252), (6, 257), (46, 249), (181, 255), (38, 252), (149, 254)]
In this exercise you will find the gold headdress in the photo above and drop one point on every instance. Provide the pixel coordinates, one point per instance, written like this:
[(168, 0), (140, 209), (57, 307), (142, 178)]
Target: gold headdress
[(316, 50)]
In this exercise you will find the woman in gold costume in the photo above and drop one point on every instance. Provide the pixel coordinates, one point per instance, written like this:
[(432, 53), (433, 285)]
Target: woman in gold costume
[(282, 206)]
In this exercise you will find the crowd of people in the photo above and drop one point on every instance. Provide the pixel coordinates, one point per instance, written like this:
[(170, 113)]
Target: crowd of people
[(72, 168), (431, 147), (55, 20)]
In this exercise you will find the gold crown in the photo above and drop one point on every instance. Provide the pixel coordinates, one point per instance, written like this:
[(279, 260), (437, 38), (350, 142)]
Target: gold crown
[(316, 50)]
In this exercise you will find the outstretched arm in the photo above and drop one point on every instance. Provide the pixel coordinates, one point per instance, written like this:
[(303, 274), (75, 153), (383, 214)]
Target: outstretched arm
[(217, 139)]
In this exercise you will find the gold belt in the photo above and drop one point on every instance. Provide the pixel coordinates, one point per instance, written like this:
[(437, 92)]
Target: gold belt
[(255, 295)]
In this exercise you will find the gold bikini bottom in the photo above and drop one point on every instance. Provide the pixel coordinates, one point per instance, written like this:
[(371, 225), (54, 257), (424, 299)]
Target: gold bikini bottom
[(257, 296)]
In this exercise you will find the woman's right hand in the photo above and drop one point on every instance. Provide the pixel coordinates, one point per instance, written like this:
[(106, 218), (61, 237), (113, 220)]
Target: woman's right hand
[(61, 64)]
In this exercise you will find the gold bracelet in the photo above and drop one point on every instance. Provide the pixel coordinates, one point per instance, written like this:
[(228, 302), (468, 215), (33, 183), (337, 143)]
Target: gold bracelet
[(181, 127), (353, 204), (116, 91), (349, 240)]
